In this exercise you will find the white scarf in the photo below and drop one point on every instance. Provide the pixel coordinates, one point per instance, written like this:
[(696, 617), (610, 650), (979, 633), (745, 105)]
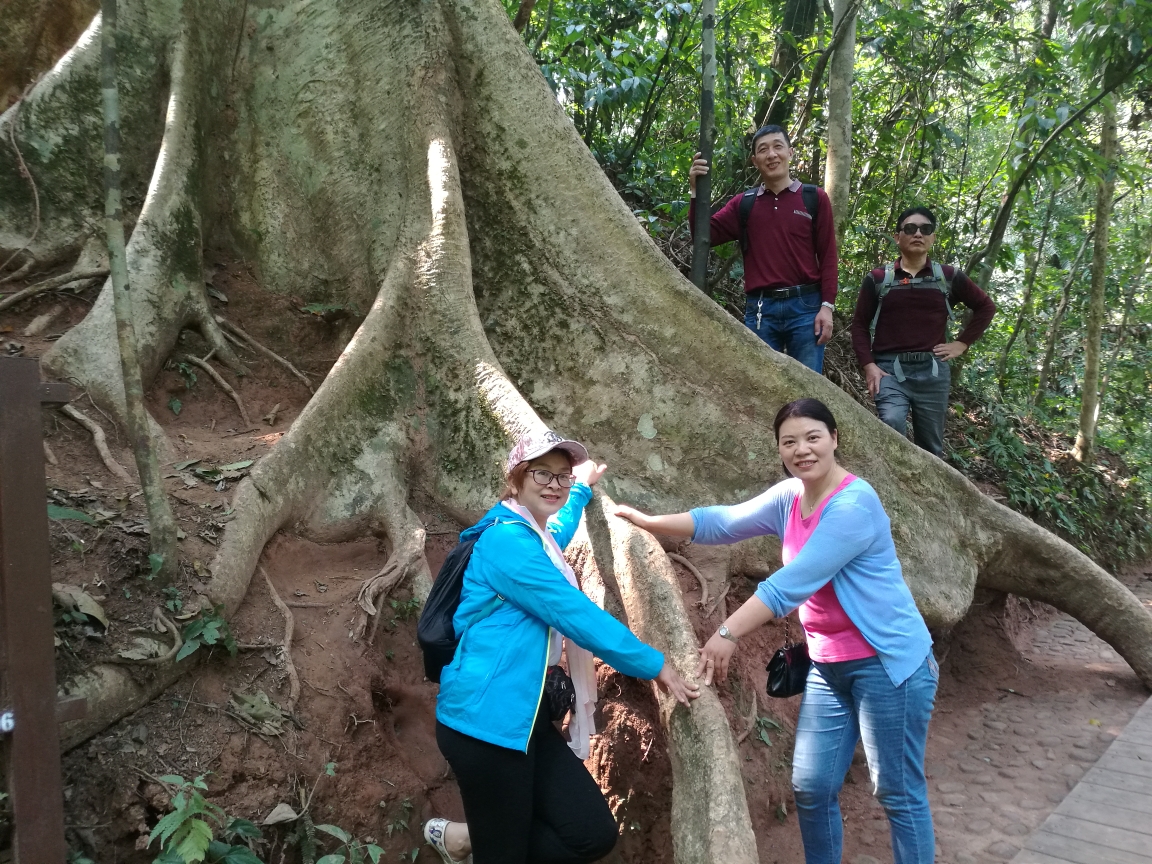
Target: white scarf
[(581, 669)]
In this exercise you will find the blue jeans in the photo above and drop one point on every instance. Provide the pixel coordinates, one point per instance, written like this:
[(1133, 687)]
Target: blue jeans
[(788, 326), (924, 389), (855, 699)]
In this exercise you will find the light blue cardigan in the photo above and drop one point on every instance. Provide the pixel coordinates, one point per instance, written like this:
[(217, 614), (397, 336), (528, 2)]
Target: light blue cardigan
[(852, 545)]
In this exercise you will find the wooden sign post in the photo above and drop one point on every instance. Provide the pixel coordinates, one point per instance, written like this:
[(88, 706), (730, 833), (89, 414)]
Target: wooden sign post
[(28, 713)]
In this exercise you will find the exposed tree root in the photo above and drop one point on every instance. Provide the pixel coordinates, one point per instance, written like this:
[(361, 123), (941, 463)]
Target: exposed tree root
[(751, 721), (204, 366), (286, 648), (164, 259), (719, 603), (49, 456), (680, 559), (243, 338), (710, 820), (159, 620), (43, 321), (21, 271), (100, 440), (51, 285)]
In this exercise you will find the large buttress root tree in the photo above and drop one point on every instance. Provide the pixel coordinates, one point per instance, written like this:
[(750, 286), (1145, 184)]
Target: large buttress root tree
[(409, 159)]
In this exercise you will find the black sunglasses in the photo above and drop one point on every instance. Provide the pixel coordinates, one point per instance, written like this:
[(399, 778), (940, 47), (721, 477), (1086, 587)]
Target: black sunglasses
[(914, 228)]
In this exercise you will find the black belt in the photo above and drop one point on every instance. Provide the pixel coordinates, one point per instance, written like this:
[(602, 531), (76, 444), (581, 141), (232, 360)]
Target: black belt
[(784, 293)]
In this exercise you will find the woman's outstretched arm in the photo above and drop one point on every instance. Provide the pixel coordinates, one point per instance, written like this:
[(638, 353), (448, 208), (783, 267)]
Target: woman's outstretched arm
[(673, 524)]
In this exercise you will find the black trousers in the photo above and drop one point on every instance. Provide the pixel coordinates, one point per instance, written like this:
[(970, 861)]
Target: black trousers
[(541, 807)]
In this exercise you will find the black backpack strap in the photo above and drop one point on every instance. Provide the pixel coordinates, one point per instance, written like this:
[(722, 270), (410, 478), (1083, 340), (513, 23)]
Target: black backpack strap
[(812, 205), (747, 202)]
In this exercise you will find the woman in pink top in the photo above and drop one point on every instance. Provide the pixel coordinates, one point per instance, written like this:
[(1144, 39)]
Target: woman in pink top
[(873, 676)]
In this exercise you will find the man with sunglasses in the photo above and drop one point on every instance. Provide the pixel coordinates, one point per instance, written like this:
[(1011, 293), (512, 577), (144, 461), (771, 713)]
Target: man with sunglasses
[(788, 240), (900, 331)]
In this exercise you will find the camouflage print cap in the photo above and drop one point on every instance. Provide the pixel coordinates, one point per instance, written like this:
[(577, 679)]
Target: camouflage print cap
[(534, 445)]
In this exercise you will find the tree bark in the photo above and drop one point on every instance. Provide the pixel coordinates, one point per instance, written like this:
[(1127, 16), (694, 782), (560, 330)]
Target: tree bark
[(1089, 399), (702, 239), (838, 173), (523, 15), (162, 525), (775, 104)]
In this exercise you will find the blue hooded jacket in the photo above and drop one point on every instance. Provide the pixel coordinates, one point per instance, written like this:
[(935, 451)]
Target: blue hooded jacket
[(492, 688)]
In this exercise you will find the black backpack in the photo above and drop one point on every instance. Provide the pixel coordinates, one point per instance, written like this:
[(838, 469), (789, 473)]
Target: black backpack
[(434, 631), (748, 201)]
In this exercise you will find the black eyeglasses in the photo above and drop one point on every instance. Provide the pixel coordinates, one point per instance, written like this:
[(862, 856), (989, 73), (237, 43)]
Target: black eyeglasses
[(543, 478), (914, 228)]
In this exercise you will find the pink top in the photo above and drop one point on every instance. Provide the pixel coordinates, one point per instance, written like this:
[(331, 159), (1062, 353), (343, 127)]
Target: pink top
[(832, 637)]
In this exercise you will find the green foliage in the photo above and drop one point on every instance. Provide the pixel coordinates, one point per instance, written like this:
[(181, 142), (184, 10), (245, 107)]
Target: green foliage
[(350, 850), (209, 628), (405, 610), (1103, 514), (187, 835), (60, 514), (951, 107)]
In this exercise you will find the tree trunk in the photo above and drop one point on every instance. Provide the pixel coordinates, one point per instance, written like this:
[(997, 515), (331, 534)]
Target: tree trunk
[(449, 178), (775, 104), (1129, 300), (162, 526), (1057, 318), (1034, 262), (702, 235), (523, 15), (838, 174), (1089, 399)]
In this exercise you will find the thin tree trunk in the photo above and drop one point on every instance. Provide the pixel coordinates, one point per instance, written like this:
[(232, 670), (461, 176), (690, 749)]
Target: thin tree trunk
[(1129, 301), (1090, 392), (775, 104), (162, 525), (1054, 327), (523, 15), (703, 232), (838, 172), (1036, 256)]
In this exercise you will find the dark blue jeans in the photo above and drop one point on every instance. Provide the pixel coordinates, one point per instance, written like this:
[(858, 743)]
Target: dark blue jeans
[(844, 702), (788, 326), (924, 389)]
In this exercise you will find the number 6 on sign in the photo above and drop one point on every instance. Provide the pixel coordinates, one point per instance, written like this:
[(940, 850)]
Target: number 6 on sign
[(7, 722)]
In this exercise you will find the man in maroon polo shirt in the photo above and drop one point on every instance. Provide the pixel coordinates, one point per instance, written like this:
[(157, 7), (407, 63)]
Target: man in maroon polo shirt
[(790, 264), (900, 331)]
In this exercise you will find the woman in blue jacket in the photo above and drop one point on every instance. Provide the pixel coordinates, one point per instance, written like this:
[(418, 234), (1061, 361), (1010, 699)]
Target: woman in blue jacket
[(527, 795), (872, 674)]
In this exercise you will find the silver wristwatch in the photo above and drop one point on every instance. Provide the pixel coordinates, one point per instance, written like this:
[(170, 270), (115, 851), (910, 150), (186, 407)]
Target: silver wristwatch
[(726, 633)]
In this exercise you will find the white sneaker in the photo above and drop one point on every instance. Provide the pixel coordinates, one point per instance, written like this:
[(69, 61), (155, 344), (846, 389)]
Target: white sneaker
[(434, 835)]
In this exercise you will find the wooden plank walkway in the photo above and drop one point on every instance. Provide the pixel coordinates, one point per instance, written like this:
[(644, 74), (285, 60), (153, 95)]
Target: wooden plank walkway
[(1107, 817)]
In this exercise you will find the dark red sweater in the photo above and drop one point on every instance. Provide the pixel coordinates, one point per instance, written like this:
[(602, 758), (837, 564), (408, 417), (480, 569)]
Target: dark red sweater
[(914, 319), (780, 248)]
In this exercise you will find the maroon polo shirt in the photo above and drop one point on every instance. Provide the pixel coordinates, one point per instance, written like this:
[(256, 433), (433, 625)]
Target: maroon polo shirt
[(916, 318), (781, 252)]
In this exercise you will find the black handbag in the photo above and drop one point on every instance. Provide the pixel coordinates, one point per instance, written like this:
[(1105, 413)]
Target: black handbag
[(788, 668), (559, 693)]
